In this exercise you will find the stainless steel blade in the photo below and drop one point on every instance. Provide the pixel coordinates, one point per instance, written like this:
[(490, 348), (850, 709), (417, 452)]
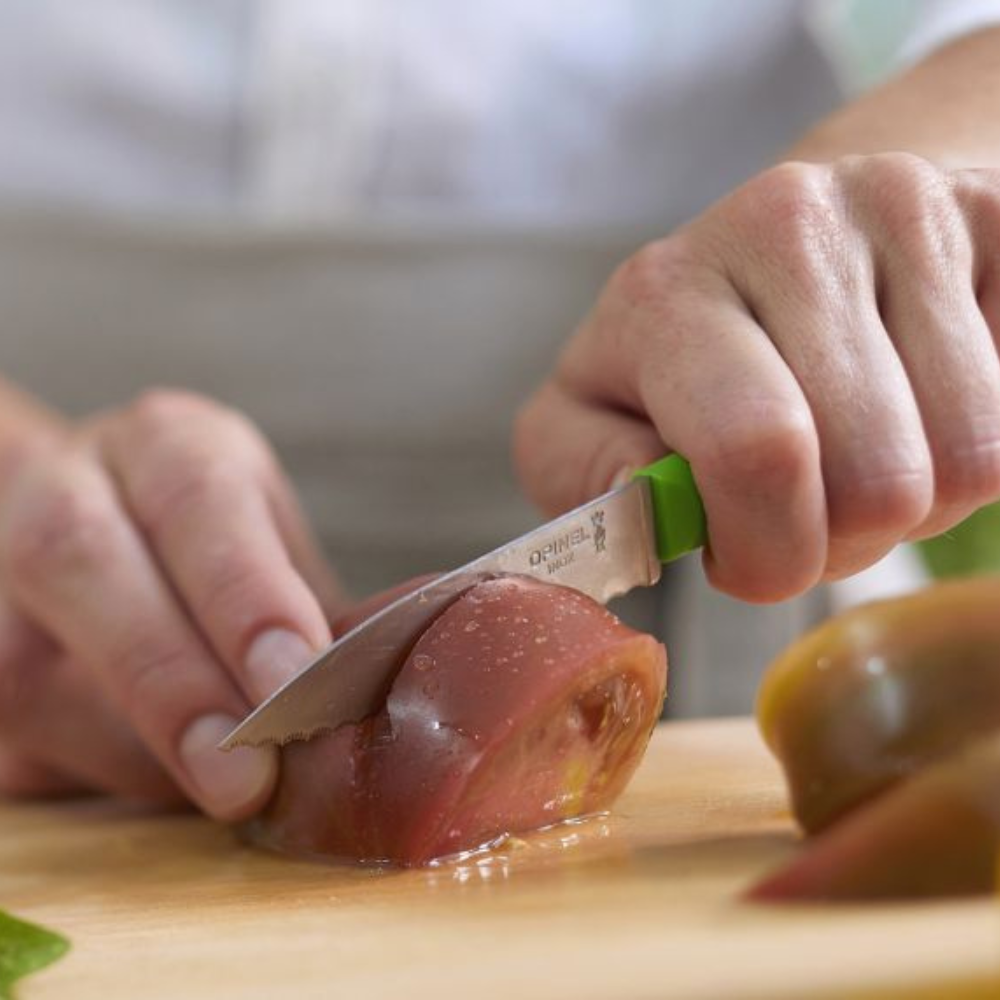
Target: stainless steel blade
[(604, 548)]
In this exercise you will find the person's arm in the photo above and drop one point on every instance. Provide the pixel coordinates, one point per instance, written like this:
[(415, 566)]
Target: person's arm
[(819, 344), (944, 109)]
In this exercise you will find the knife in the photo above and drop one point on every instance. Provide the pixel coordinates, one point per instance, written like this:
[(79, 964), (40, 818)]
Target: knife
[(604, 548)]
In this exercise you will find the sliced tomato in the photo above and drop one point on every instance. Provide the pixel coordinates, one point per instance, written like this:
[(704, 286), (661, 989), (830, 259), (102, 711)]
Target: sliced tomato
[(523, 704), (885, 721)]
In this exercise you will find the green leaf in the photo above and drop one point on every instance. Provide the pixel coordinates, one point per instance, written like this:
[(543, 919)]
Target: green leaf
[(25, 948)]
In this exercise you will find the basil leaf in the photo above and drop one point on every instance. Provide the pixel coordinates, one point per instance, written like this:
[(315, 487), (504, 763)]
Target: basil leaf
[(25, 948)]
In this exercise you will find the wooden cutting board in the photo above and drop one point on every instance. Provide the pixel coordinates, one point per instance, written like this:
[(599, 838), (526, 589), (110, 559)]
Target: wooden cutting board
[(641, 904)]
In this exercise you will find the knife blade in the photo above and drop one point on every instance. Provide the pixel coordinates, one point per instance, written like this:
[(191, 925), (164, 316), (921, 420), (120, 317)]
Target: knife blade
[(604, 548)]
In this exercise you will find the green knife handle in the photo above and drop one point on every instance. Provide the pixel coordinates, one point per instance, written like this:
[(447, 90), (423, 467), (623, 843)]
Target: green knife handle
[(677, 508)]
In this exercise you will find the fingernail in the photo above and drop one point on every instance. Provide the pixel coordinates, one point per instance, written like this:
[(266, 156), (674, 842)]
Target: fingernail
[(274, 658), (231, 784), (621, 477)]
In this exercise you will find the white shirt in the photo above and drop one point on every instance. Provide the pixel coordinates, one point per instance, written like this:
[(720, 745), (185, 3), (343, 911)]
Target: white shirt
[(565, 110), (372, 223)]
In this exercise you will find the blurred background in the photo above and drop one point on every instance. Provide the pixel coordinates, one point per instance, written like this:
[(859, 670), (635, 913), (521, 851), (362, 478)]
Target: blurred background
[(370, 225)]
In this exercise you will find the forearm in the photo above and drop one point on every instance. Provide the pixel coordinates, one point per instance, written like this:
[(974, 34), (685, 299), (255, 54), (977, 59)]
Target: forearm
[(944, 109)]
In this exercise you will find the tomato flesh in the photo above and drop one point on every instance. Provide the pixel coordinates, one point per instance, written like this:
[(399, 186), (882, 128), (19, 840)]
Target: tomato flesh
[(523, 704)]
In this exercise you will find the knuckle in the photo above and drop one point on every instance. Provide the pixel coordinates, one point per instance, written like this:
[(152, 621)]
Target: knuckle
[(766, 456), (647, 277), (62, 527), (246, 442), (886, 502), (169, 404), (844, 559), (161, 408), (235, 591), (756, 587), (968, 476), (978, 194), (792, 221), (189, 424), (789, 203), (914, 205), (172, 495), (901, 177), (149, 681), (890, 166)]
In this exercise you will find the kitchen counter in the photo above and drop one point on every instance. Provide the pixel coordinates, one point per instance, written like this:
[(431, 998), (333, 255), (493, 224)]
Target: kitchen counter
[(643, 903)]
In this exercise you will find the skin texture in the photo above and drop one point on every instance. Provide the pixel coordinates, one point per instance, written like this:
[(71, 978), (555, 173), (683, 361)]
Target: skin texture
[(522, 705), (819, 344), (174, 511), (886, 721)]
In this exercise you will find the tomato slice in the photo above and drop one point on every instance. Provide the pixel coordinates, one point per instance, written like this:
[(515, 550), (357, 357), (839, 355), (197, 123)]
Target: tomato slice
[(523, 704), (884, 720)]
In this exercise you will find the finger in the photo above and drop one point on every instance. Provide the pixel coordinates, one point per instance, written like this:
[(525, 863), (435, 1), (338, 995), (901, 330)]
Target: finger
[(52, 713), (939, 278), (72, 727), (24, 778), (811, 284), (569, 449), (195, 482), (73, 560), (949, 354), (671, 340), (20, 776), (304, 549), (978, 195)]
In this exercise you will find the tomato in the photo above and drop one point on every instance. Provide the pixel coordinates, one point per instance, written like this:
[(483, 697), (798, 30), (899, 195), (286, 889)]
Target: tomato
[(886, 720), (935, 834), (523, 704)]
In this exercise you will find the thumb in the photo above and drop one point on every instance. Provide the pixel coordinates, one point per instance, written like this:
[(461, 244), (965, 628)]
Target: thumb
[(569, 449)]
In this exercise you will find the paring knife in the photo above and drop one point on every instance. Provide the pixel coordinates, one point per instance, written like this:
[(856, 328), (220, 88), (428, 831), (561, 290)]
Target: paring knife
[(604, 548)]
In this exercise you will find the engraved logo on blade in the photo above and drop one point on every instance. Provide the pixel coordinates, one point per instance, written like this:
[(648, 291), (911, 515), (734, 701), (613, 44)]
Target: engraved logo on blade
[(562, 551), (600, 533), (559, 552)]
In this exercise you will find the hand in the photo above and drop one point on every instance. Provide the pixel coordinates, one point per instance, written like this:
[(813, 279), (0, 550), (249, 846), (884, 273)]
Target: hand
[(156, 580), (820, 347)]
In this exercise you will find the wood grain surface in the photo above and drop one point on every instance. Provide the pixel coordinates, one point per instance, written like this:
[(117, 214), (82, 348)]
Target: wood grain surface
[(644, 903)]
